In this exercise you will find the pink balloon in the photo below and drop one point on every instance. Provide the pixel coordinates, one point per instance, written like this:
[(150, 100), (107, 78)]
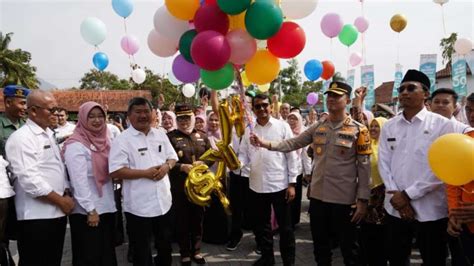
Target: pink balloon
[(130, 44), (160, 45), (312, 98), (355, 59), (242, 46), (210, 17), (210, 50), (331, 24), (362, 24)]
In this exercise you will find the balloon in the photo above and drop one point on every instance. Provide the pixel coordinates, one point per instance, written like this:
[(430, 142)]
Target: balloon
[(242, 46), (313, 69), (331, 24), (93, 30), (182, 9), (100, 60), (398, 23), (123, 8), (169, 26), (210, 50), (185, 71), (348, 35), (237, 21), (233, 7), (173, 80), (263, 88), (185, 44), (210, 2), (463, 46), (139, 76), (130, 44), (245, 80), (297, 9), (268, 26), (450, 157), (355, 59), (263, 68), (288, 42), (312, 98), (362, 24), (210, 17), (219, 79), (328, 70), (160, 45), (188, 90), (441, 2)]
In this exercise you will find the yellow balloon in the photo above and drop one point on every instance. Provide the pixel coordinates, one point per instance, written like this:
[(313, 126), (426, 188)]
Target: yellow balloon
[(398, 22), (264, 87), (263, 68), (245, 80), (451, 158), (237, 21), (182, 9)]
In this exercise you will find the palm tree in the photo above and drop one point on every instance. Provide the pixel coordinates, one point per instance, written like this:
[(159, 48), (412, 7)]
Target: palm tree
[(15, 65)]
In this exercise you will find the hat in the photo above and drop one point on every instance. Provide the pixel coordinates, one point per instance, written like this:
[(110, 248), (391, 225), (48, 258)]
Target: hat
[(15, 91), (339, 88), (418, 76), (183, 109)]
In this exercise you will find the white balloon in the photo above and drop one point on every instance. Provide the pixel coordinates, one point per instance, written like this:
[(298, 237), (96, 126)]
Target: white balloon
[(296, 9), (189, 90), (463, 46), (173, 80), (169, 26), (138, 75), (161, 45), (441, 2), (93, 30)]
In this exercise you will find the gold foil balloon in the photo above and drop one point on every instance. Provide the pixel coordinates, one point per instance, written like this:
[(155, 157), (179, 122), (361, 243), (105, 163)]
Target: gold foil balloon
[(238, 113), (398, 23)]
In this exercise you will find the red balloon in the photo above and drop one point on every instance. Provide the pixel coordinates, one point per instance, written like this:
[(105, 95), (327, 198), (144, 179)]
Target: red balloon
[(288, 42), (210, 50), (211, 2), (328, 70), (210, 17)]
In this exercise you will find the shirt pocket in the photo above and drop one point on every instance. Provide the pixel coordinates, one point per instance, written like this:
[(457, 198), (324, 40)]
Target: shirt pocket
[(344, 145)]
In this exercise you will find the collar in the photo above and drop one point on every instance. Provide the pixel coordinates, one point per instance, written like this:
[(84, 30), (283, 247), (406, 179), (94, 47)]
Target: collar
[(421, 115), (135, 132), (270, 122), (37, 130), (8, 123)]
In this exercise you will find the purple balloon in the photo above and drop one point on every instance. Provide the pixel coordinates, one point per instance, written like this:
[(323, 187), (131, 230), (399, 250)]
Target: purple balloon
[(312, 98), (185, 71), (362, 24), (331, 24)]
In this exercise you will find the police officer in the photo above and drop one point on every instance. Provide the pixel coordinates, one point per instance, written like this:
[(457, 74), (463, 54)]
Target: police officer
[(189, 144), (14, 98), (341, 172)]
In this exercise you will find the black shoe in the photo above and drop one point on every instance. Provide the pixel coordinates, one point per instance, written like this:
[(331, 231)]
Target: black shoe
[(186, 263), (258, 250), (198, 259), (265, 261), (232, 245)]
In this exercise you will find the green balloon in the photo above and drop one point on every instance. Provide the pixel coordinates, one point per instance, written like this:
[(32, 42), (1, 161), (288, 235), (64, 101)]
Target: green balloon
[(233, 7), (348, 35), (263, 19), (185, 44), (219, 79)]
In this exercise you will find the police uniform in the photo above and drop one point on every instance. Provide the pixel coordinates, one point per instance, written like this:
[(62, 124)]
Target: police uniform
[(341, 173), (189, 217)]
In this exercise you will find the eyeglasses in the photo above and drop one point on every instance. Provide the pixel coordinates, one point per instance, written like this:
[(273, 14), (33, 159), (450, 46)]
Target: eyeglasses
[(50, 110), (260, 106), (408, 87)]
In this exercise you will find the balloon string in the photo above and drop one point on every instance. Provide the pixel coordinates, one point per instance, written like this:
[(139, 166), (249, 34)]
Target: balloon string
[(243, 99), (444, 24), (348, 58), (330, 52), (469, 192), (398, 47), (363, 48)]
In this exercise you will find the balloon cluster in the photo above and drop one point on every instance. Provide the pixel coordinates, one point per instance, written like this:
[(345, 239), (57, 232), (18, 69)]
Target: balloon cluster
[(314, 69), (332, 26), (93, 31)]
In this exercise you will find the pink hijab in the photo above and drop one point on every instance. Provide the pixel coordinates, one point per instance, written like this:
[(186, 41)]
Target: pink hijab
[(203, 118), (214, 136), (173, 116), (299, 127), (97, 142)]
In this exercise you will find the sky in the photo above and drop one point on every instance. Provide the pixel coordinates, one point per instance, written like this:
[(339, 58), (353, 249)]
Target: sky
[(50, 30)]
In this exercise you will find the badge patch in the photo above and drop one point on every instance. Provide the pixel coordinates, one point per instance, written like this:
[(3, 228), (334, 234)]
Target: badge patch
[(319, 150), (180, 153)]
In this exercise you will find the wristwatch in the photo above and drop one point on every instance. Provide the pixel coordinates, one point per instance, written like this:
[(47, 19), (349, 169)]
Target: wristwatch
[(169, 165), (92, 212)]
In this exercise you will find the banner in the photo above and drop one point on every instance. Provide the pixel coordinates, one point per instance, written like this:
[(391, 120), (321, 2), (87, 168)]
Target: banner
[(470, 61), (428, 66), (398, 79), (351, 80), (458, 75), (367, 79)]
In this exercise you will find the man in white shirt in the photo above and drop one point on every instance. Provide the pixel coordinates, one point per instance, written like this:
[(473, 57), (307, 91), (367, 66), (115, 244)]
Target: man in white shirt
[(142, 156), (65, 128), (416, 199), (272, 183), (443, 102), (41, 200)]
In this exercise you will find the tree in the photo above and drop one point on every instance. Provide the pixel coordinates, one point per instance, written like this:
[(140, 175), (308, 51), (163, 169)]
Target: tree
[(338, 77), (15, 65), (158, 85), (447, 47), (94, 80), (288, 80)]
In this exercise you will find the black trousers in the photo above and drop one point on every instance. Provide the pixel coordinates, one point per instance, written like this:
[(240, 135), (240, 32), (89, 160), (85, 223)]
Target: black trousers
[(239, 195), (141, 230), (296, 203), (431, 238), (372, 243), (5, 255), (262, 203), (40, 242), (93, 246), (326, 220), (462, 248)]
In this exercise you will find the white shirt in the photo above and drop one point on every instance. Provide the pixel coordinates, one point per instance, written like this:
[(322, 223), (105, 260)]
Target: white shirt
[(270, 171), (244, 168), (66, 130), (113, 131), (6, 189), (403, 163), (36, 163), (84, 188), (304, 162), (135, 150), (460, 127)]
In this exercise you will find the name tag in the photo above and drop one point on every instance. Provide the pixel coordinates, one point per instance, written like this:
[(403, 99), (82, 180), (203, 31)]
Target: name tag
[(46, 147), (142, 150), (391, 139)]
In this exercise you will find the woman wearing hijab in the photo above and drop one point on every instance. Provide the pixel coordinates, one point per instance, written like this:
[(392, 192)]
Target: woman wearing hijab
[(92, 222), (168, 121), (201, 124), (373, 229), (213, 129)]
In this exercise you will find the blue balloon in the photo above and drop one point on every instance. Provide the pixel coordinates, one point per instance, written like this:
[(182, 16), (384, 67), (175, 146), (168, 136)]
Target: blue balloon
[(123, 7), (100, 60), (313, 69)]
